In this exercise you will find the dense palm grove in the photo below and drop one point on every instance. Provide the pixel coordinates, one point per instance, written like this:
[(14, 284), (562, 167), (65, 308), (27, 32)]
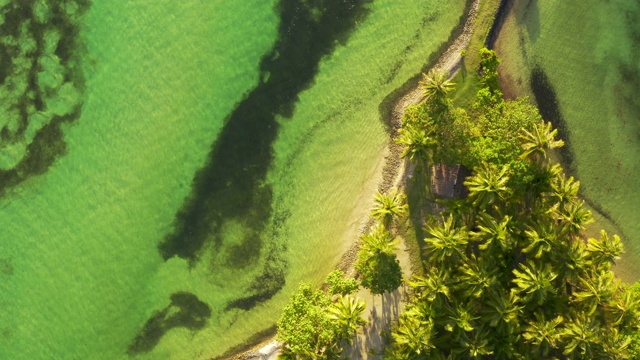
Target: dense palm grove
[(509, 272)]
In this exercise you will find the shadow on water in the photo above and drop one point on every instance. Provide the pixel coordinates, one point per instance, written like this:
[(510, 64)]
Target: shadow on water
[(21, 25), (545, 96), (185, 310), (231, 185)]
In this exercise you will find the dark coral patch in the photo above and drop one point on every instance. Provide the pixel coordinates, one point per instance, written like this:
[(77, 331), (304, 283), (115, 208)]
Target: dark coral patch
[(185, 310)]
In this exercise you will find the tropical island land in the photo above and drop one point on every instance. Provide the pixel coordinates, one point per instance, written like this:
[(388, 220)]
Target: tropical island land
[(148, 206)]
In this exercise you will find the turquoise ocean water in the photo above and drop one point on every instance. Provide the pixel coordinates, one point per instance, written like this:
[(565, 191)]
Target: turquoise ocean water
[(83, 270)]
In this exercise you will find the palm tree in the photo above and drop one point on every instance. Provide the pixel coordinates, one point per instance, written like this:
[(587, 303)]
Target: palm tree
[(625, 310), (418, 143), (434, 287), (447, 243), (436, 85), (477, 278), (378, 242), (534, 283), (536, 143), (596, 290), (488, 185), (377, 262), (347, 312), (615, 346), (414, 333), (573, 260), (502, 311), (565, 191), (389, 207), (477, 344), (605, 251), (574, 218), (493, 234), (543, 334), (541, 237), (581, 337)]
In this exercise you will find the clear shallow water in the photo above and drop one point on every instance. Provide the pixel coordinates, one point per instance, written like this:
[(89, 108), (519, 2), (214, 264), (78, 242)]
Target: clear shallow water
[(80, 271), (588, 51)]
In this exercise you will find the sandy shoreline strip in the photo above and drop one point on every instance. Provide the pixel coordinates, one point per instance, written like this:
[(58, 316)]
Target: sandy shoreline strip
[(395, 172)]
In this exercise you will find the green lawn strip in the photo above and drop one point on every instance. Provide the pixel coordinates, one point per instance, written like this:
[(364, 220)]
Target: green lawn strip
[(467, 78)]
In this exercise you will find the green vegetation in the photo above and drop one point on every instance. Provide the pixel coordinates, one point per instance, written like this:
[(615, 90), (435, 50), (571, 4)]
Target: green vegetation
[(467, 78), (314, 324), (338, 284), (377, 262), (509, 274)]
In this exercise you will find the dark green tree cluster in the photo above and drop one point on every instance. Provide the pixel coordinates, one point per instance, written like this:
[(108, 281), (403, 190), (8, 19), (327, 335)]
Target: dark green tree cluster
[(509, 273), (315, 324), (377, 263)]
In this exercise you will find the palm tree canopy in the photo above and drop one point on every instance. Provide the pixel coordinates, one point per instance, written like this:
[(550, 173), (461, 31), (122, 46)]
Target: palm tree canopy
[(537, 142), (389, 207), (347, 311), (436, 85), (488, 184)]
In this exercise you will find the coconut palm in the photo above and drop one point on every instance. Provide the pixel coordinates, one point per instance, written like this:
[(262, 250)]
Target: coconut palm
[(488, 185), (615, 345), (377, 262), (605, 251), (477, 344), (537, 142), (476, 278), (573, 260), (565, 191), (534, 283), (574, 218), (502, 311), (543, 334), (461, 318), (414, 333), (347, 313), (436, 85), (541, 239), (493, 234), (389, 207), (378, 242), (447, 243), (434, 287), (625, 310), (541, 184), (581, 337), (418, 143), (596, 290)]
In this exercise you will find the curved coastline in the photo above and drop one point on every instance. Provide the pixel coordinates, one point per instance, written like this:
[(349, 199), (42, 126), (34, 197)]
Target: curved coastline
[(395, 171)]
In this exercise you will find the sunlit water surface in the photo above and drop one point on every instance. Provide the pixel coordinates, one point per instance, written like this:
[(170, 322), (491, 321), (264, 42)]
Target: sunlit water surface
[(80, 270)]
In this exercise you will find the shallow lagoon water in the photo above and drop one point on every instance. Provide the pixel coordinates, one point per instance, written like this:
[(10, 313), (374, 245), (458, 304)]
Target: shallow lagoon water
[(587, 52), (80, 270)]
